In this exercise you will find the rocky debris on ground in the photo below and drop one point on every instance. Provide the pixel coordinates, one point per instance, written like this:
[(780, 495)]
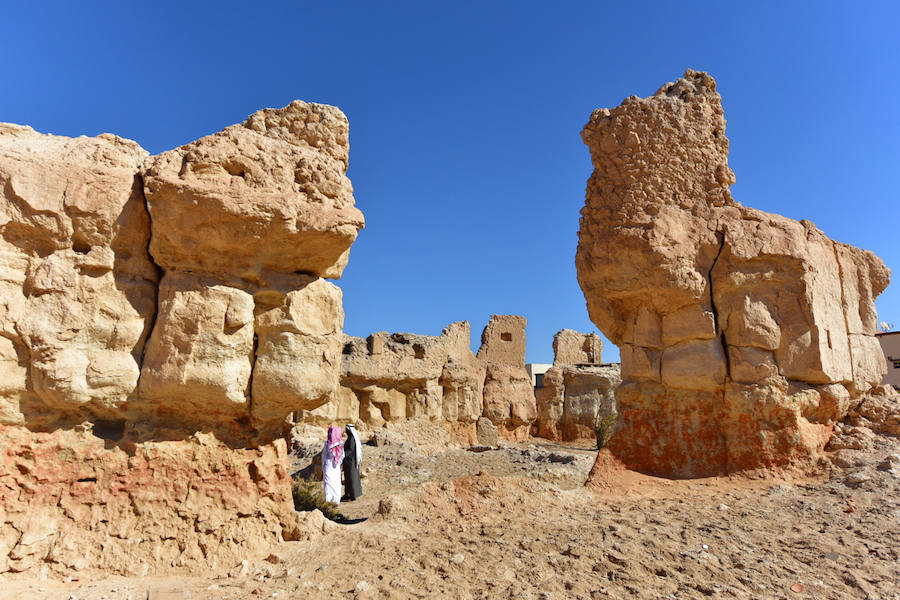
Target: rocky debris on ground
[(159, 318), (493, 525), (760, 323)]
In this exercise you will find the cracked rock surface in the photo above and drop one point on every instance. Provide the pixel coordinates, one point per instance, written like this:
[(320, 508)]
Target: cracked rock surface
[(744, 335), (159, 319)]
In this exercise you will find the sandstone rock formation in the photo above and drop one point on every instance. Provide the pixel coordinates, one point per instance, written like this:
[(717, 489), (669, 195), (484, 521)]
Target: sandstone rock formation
[(78, 291), (577, 390), (744, 335), (508, 393), (159, 319)]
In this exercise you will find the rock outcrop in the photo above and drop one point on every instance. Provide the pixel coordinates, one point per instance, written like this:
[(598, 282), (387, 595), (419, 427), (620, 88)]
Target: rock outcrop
[(744, 335), (578, 390), (78, 293), (159, 319)]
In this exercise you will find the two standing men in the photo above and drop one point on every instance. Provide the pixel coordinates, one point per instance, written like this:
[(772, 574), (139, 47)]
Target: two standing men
[(335, 453)]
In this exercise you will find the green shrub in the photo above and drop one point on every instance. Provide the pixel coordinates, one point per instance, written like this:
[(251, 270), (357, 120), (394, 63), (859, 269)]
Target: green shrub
[(308, 495), (604, 425)]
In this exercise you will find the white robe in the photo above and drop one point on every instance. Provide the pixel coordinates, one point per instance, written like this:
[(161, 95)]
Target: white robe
[(331, 474)]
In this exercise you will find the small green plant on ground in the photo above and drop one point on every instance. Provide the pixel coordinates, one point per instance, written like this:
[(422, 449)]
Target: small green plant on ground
[(604, 425), (308, 495)]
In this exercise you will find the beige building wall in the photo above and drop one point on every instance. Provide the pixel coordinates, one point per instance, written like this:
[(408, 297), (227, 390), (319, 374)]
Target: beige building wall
[(890, 344)]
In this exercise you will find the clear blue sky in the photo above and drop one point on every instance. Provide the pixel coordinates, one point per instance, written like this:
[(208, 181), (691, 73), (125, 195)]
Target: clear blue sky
[(465, 119)]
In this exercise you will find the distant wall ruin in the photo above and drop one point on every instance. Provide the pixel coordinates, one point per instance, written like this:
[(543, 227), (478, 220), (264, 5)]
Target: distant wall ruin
[(391, 377), (577, 390)]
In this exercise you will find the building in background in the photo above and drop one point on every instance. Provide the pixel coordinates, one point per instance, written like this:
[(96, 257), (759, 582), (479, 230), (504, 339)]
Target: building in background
[(890, 344), (536, 372)]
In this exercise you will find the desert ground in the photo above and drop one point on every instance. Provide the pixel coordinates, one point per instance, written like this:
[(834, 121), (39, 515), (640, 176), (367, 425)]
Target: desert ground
[(439, 519)]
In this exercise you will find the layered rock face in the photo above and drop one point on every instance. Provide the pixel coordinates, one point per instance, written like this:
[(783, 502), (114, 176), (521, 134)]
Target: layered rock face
[(391, 377), (159, 319), (246, 223), (78, 293), (744, 335), (577, 390)]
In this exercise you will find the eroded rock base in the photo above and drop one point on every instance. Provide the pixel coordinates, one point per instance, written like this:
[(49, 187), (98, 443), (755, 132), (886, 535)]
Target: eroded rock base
[(72, 501)]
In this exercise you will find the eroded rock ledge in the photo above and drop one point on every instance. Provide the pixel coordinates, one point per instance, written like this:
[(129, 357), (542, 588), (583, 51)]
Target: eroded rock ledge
[(159, 319), (744, 335)]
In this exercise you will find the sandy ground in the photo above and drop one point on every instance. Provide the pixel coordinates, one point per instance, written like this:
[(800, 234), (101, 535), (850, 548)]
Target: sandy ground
[(439, 521)]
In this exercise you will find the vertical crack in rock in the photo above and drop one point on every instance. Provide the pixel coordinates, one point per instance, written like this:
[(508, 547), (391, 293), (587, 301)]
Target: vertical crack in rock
[(783, 293), (720, 329), (844, 310), (139, 184), (253, 353)]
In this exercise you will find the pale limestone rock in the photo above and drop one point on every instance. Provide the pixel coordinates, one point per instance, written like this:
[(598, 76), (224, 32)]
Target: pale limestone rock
[(200, 354), (164, 456), (77, 287), (734, 325), (270, 194), (298, 357), (245, 222)]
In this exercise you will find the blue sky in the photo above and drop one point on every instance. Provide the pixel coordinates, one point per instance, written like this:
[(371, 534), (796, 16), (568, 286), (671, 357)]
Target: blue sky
[(465, 118)]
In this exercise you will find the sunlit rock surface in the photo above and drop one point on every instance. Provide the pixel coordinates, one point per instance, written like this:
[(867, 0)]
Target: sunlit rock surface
[(744, 335)]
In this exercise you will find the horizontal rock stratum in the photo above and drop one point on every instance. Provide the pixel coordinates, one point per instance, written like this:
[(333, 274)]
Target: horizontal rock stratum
[(744, 335), (160, 316)]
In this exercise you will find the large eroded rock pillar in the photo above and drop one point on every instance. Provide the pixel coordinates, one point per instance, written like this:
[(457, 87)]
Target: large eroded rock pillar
[(159, 319), (744, 335)]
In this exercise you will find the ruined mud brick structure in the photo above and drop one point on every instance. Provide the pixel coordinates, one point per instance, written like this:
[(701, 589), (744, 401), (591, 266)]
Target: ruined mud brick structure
[(576, 389), (392, 377), (508, 394), (573, 348), (744, 335), (160, 316)]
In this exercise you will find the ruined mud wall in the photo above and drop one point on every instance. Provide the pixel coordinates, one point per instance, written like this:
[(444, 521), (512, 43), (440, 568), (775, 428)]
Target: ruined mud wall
[(392, 377), (159, 318), (577, 390), (744, 335), (509, 400)]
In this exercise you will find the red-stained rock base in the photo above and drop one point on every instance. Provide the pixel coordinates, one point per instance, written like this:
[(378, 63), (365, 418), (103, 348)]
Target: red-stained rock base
[(684, 433), (69, 503)]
